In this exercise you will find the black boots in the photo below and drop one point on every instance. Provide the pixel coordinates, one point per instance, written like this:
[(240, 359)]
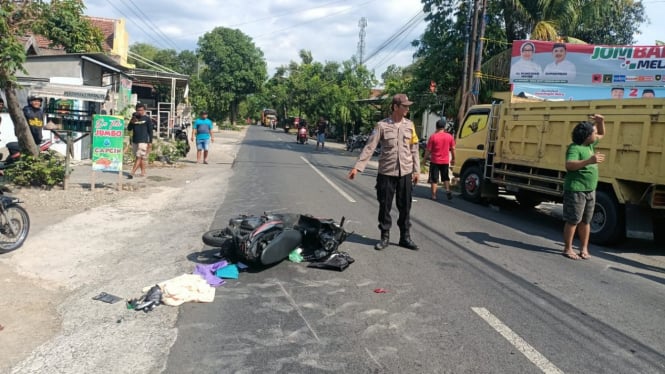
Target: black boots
[(385, 241), (406, 242)]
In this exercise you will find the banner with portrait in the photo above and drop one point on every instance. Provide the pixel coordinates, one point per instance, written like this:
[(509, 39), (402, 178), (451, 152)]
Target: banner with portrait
[(563, 71)]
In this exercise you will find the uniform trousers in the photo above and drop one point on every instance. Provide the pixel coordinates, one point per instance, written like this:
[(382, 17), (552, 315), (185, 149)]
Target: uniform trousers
[(386, 188)]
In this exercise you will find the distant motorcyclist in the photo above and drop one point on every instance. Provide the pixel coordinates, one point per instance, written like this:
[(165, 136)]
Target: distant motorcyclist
[(301, 124)]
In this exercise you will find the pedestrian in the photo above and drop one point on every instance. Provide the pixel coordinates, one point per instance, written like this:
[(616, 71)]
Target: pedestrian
[(34, 115), (441, 152), (142, 133), (579, 187), (321, 128), (202, 129), (399, 168)]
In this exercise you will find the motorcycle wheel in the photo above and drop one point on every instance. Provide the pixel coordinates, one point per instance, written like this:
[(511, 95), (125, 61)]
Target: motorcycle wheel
[(216, 238), (14, 228)]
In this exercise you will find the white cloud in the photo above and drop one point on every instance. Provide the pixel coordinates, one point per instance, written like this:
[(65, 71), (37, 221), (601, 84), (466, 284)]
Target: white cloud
[(281, 28)]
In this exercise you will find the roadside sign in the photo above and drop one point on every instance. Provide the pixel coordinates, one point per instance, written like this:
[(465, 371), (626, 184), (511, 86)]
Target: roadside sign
[(107, 143)]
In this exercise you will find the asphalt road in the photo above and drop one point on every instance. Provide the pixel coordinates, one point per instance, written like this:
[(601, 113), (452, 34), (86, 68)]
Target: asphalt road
[(488, 292)]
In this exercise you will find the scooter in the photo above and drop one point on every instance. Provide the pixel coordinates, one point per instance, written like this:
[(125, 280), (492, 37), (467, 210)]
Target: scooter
[(14, 155), (302, 135), (268, 239), (180, 134), (14, 223)]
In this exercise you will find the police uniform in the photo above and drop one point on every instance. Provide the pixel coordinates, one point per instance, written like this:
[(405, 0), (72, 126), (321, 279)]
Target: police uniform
[(398, 161)]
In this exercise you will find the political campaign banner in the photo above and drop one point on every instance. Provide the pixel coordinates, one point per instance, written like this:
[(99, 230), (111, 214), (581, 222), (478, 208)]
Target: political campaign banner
[(564, 71)]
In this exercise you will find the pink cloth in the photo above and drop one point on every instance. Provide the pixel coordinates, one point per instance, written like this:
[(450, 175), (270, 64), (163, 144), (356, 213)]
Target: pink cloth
[(439, 146)]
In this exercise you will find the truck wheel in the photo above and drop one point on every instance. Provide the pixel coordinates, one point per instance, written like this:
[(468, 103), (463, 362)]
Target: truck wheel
[(528, 199), (471, 184), (659, 230), (608, 223)]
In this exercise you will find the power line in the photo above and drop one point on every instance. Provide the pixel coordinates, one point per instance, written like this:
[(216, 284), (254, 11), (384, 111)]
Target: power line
[(151, 63), (398, 44), (409, 24), (142, 15), (274, 17), (132, 20), (313, 20)]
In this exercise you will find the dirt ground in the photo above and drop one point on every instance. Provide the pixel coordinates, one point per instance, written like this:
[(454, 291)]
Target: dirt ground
[(33, 303), (28, 307)]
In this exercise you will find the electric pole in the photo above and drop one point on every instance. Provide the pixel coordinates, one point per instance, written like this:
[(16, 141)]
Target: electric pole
[(361, 40)]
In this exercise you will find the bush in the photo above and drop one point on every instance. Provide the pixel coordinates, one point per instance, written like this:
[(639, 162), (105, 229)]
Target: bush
[(45, 170), (228, 126)]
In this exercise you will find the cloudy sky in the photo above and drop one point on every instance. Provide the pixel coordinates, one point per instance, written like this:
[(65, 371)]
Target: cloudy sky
[(280, 28)]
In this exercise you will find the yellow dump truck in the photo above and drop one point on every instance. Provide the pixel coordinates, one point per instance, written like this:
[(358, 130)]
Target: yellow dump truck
[(519, 148)]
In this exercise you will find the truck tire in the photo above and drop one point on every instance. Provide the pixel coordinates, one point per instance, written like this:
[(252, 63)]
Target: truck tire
[(608, 222), (471, 183), (528, 199), (659, 230)]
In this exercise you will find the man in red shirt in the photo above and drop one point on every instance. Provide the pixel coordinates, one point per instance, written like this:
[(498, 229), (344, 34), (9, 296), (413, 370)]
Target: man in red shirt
[(441, 151)]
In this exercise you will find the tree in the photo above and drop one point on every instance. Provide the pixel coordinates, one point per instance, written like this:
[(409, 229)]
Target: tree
[(235, 68), (20, 18)]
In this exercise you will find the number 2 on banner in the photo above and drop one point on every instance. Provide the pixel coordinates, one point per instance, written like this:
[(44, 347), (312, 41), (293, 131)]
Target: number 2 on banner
[(633, 92)]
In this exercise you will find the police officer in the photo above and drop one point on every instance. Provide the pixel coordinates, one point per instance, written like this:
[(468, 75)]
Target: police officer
[(399, 168)]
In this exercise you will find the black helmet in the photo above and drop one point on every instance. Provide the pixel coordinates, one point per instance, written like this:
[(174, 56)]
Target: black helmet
[(32, 98)]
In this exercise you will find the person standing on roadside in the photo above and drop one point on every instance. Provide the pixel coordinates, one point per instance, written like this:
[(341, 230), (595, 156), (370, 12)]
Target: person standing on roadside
[(441, 152), (202, 130), (321, 128), (579, 187), (142, 133), (34, 115), (399, 168)]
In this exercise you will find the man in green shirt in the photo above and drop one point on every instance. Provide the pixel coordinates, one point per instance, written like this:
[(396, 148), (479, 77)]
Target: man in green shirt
[(579, 187)]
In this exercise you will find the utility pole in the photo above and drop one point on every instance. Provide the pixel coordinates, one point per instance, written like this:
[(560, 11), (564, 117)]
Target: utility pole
[(467, 61), (361, 40), (475, 89)]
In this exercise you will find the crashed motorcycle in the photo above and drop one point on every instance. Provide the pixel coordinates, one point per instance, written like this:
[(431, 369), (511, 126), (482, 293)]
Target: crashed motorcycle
[(14, 223), (269, 238)]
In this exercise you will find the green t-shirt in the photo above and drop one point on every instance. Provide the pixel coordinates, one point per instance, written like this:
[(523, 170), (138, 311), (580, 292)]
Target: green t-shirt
[(586, 178)]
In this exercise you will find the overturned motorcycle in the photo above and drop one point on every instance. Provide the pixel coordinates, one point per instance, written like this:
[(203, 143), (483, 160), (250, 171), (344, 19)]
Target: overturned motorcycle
[(268, 239)]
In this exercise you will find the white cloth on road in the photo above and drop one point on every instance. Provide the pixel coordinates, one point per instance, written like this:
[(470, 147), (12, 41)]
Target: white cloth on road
[(185, 288)]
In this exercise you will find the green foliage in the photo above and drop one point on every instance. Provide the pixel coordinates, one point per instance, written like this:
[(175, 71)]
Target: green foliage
[(45, 170), (235, 68), (166, 151), (63, 25), (228, 126)]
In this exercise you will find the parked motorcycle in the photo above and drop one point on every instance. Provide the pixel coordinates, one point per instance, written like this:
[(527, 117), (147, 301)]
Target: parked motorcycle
[(13, 156), (268, 239), (356, 142), (359, 142), (180, 134), (14, 223), (302, 135)]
